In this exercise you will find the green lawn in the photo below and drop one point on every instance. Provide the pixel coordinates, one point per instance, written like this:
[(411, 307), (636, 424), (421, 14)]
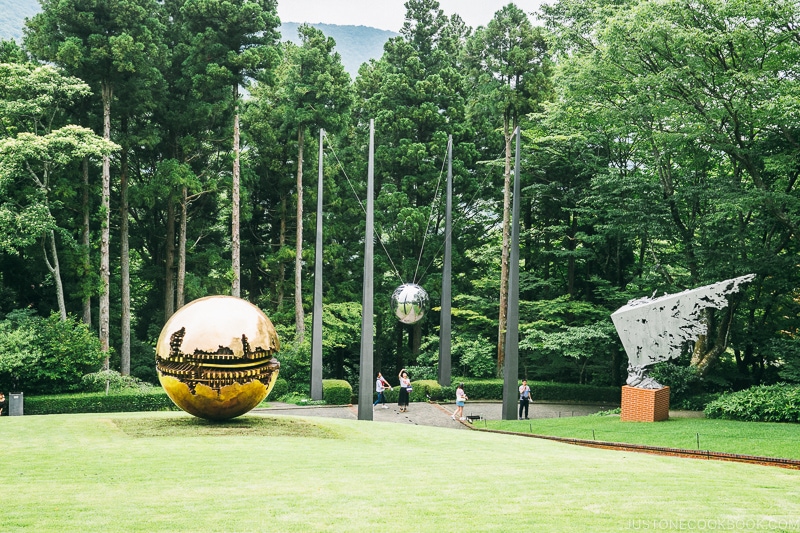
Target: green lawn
[(728, 436), (154, 472)]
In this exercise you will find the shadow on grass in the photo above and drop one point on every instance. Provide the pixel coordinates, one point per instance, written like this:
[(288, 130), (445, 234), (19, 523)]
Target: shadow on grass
[(244, 426)]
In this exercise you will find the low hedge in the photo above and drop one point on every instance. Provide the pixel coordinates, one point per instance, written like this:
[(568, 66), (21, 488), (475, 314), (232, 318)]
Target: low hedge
[(153, 399), (492, 389), (336, 391), (764, 403)]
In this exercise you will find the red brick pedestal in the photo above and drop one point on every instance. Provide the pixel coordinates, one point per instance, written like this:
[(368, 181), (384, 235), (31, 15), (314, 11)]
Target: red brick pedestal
[(644, 405)]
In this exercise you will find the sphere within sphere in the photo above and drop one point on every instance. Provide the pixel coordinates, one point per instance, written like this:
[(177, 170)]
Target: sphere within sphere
[(215, 357), (409, 303)]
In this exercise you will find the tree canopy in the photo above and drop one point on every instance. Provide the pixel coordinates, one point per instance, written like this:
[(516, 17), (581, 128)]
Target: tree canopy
[(660, 152)]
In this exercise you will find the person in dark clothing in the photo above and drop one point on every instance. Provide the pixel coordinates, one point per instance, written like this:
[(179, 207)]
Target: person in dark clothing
[(524, 398)]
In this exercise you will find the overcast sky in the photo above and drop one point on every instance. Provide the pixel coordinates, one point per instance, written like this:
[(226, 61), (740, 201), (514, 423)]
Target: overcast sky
[(389, 14)]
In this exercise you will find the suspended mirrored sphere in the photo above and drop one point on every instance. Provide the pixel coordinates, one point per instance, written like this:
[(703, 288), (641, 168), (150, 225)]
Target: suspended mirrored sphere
[(215, 357), (409, 303)]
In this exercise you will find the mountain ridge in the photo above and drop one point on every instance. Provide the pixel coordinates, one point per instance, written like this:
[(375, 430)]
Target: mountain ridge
[(355, 44)]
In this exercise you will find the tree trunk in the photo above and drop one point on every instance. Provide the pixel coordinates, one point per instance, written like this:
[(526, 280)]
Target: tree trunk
[(105, 237), (501, 319), (85, 243), (416, 338), (281, 263), (182, 249), (125, 270), (55, 271), (169, 260), (299, 318), (570, 245), (236, 286), (709, 347)]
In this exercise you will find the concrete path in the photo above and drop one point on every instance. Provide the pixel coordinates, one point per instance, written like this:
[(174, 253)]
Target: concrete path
[(430, 414)]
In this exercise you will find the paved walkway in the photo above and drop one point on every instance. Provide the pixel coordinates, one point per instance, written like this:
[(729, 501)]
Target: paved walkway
[(431, 414)]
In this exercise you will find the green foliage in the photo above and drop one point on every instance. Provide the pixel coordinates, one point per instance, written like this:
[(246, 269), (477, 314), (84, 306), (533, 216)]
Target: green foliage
[(46, 355), (424, 389), (281, 388), (475, 356), (147, 399), (113, 380), (336, 391), (608, 412), (683, 381), (636, 178), (764, 403), (295, 360)]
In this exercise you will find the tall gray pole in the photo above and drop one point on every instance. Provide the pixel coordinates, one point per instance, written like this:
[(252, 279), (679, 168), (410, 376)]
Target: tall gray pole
[(316, 325), (444, 320), (365, 372), (511, 369)]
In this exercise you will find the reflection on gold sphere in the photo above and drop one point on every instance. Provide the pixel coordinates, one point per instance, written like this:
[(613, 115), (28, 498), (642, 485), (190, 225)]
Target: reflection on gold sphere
[(215, 357)]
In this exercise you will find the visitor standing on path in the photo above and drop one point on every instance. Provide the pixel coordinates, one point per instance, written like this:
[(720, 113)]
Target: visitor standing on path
[(380, 386), (405, 389), (461, 399), (524, 398)]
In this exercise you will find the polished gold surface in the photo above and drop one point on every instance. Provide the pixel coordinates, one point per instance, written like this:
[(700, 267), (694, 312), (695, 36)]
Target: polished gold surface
[(215, 357)]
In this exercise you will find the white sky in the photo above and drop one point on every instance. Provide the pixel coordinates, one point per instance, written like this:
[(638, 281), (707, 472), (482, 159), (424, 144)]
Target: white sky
[(390, 14)]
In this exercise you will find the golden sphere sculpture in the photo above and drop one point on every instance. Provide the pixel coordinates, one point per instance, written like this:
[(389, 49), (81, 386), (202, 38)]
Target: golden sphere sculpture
[(215, 357)]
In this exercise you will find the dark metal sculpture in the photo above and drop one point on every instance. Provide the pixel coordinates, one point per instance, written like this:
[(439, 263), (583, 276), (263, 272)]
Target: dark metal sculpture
[(215, 357)]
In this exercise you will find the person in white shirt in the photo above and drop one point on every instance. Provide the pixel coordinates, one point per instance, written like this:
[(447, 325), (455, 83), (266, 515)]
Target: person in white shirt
[(461, 398), (380, 386), (405, 389)]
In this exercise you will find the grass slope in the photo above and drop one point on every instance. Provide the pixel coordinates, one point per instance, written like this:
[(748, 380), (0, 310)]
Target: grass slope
[(169, 472), (728, 436)]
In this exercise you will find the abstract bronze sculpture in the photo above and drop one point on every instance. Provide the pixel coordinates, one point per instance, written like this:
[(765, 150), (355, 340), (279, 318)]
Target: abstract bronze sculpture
[(215, 357), (409, 303)]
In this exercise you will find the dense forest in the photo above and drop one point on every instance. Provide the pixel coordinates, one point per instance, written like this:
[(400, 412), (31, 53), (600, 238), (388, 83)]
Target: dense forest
[(152, 153)]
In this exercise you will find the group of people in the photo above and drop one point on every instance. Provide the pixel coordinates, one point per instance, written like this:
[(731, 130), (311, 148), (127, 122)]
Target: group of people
[(404, 392), (461, 397)]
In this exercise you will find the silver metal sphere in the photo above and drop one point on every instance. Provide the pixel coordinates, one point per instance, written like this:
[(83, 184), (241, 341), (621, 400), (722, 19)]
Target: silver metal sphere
[(409, 303)]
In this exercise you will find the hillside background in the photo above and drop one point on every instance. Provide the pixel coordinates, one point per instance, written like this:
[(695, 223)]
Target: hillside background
[(356, 44)]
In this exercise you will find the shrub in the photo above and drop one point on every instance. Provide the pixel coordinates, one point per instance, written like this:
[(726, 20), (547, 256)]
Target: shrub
[(573, 392), (281, 388), (683, 381), (46, 355), (492, 389), (151, 399), (423, 389), (485, 389), (336, 391), (97, 382), (764, 403)]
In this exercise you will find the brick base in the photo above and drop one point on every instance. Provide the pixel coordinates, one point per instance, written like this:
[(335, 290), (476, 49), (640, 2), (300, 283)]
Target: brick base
[(644, 405)]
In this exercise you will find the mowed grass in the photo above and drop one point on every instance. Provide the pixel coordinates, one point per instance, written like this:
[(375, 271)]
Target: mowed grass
[(169, 472), (728, 436)]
